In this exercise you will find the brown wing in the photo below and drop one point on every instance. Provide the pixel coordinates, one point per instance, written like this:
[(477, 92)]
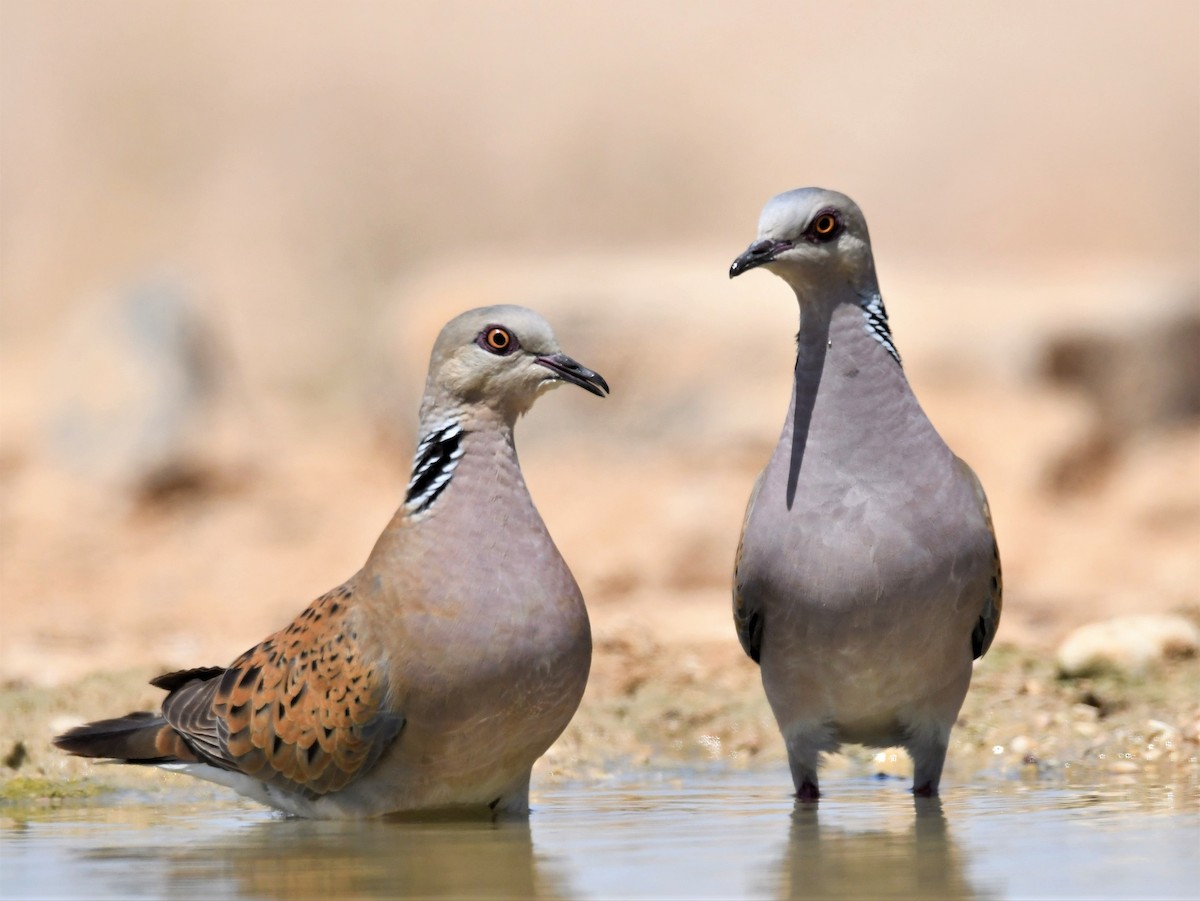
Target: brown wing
[(747, 617), (989, 618), (303, 709)]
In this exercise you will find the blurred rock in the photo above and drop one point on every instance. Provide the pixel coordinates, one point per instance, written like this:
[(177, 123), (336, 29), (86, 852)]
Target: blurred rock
[(16, 756), (135, 391), (1141, 375), (1157, 730), (1126, 644)]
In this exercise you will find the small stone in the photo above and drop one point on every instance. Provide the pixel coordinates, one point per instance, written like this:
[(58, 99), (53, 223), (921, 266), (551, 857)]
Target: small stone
[(711, 744), (1123, 766), (1020, 745), (1126, 644), (892, 762), (1158, 727)]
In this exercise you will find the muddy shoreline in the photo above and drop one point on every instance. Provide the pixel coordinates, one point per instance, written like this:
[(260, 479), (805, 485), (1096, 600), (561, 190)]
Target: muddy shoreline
[(701, 705)]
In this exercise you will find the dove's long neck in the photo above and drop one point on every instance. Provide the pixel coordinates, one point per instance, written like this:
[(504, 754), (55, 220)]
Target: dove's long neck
[(853, 334), (849, 389), (443, 438)]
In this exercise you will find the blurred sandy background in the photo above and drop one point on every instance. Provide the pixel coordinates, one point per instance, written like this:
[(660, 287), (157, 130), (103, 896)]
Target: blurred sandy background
[(229, 233)]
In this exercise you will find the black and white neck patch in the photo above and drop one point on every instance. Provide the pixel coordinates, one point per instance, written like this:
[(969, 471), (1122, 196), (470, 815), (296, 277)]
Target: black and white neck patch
[(877, 323), (437, 455)]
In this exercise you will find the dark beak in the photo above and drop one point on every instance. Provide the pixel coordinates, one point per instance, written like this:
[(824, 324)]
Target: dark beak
[(569, 371), (756, 254)]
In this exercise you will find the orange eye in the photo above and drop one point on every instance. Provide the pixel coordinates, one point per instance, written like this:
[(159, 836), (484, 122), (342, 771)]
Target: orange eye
[(825, 225), (497, 339)]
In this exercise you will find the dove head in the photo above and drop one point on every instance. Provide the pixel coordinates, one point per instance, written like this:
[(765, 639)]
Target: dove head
[(501, 359), (816, 241)]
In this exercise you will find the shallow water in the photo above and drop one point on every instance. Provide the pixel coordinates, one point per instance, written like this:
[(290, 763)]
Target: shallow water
[(714, 834)]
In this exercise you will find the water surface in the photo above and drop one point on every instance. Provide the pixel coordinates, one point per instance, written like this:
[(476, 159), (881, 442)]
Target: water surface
[(711, 834)]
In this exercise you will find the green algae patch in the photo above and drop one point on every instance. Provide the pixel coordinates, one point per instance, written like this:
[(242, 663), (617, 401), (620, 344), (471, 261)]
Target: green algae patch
[(21, 790)]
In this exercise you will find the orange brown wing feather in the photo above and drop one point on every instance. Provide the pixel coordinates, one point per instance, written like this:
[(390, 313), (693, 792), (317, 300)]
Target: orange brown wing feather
[(304, 709)]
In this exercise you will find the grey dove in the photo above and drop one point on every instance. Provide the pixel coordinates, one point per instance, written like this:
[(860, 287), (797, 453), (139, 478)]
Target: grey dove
[(436, 675), (867, 578)]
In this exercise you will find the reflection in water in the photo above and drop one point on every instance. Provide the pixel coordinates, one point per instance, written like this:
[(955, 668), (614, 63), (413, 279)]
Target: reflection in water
[(684, 835), (288, 859), (903, 854)]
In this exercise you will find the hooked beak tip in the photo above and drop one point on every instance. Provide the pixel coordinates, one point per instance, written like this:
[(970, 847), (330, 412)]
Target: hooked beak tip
[(757, 254), (568, 370)]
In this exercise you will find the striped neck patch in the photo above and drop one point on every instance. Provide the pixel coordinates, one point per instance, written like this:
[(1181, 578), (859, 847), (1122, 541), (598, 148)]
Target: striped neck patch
[(876, 324), (437, 455)]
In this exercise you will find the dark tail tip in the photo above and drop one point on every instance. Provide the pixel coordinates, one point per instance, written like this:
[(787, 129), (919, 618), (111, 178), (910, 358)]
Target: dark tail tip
[(132, 737), (180, 678)]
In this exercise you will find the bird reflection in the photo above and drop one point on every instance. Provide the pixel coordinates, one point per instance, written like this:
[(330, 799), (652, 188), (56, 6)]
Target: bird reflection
[(903, 855), (293, 859)]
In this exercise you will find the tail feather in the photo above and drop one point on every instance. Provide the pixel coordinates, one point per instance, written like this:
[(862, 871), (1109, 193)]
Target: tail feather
[(180, 678), (136, 738)]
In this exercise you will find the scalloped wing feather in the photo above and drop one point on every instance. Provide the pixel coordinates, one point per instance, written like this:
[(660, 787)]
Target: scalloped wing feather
[(303, 710)]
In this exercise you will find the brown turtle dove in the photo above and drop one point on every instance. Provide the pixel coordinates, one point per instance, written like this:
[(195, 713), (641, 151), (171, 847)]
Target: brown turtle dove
[(436, 675)]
